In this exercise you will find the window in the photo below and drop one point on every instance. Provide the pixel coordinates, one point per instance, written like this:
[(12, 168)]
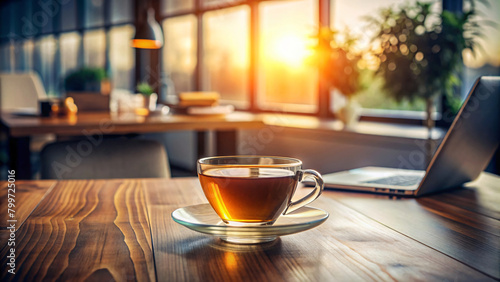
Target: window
[(255, 53), (69, 48), (68, 12), (121, 57), (42, 21), (94, 45), (55, 37), (487, 62), (179, 54), (169, 7), (349, 15), (225, 60), (286, 80), (225, 53), (218, 3), (23, 55), (6, 16), (5, 57), (93, 13), (276, 36), (44, 55), (121, 12)]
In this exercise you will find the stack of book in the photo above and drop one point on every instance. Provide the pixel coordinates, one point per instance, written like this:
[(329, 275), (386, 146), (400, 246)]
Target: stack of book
[(203, 103)]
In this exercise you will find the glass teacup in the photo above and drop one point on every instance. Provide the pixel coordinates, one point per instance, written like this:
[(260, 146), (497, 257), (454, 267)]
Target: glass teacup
[(254, 190)]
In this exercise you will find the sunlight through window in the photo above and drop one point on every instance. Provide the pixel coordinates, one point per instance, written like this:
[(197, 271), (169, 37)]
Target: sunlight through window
[(286, 80)]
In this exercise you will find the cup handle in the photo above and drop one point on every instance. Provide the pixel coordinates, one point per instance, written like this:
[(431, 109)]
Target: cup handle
[(318, 188)]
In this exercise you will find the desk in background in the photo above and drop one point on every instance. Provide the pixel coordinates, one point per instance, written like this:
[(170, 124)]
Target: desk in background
[(20, 129)]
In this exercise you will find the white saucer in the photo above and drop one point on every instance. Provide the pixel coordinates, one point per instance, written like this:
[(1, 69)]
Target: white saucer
[(202, 218)]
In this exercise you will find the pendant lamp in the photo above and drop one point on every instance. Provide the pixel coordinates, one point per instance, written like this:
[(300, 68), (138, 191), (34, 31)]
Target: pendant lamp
[(148, 35)]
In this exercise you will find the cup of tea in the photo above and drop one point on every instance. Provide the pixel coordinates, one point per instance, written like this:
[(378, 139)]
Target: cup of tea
[(254, 190)]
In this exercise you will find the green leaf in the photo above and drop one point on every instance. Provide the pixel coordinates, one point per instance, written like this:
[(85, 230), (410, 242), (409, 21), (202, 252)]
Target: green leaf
[(145, 89)]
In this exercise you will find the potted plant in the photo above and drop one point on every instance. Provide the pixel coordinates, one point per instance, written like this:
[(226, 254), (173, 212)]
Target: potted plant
[(90, 88), (150, 98), (339, 67), (420, 52)]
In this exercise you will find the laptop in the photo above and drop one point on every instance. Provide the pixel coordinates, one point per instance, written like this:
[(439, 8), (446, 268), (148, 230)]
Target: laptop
[(463, 154)]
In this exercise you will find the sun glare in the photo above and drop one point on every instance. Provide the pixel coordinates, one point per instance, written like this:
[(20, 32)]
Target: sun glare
[(288, 49)]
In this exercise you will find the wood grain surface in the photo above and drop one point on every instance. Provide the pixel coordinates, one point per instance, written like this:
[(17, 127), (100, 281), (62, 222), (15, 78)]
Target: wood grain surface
[(124, 123), (27, 195), (116, 230), (347, 247), (463, 224), (86, 230)]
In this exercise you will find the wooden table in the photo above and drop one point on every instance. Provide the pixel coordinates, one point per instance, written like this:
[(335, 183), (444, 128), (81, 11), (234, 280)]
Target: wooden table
[(21, 128), (120, 230)]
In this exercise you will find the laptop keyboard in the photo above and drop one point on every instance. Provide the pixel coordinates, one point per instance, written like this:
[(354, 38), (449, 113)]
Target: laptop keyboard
[(397, 180)]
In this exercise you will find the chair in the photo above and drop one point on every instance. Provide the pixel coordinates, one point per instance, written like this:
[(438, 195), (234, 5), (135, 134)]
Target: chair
[(20, 90), (104, 158)]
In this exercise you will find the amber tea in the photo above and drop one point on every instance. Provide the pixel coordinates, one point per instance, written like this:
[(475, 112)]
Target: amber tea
[(248, 194)]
